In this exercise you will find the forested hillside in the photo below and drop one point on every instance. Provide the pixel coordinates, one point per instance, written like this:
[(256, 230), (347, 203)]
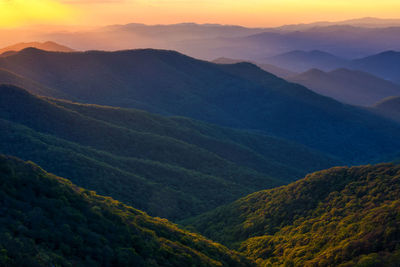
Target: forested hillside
[(336, 217), (238, 95), (169, 167), (48, 221)]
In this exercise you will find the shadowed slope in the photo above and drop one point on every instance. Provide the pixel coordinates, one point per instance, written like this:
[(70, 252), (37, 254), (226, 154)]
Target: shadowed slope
[(7, 77), (389, 107), (147, 160), (239, 95)]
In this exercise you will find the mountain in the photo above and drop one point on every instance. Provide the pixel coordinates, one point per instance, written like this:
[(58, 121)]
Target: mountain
[(385, 65), (348, 39), (169, 167), (280, 72), (389, 107), (348, 86), (7, 77), (48, 221), (205, 41), (366, 22), (299, 61), (237, 95), (47, 46), (344, 41), (337, 217)]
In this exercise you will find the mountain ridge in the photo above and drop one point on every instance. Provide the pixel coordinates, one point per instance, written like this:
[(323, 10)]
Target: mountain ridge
[(47, 46), (335, 217), (47, 220), (348, 86), (239, 96), (144, 159)]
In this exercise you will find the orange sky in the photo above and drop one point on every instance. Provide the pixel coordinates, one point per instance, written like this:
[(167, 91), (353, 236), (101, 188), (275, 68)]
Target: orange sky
[(14, 13)]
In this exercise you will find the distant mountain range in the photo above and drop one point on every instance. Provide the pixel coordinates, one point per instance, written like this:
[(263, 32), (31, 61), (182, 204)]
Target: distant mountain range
[(300, 61), (348, 86), (346, 39), (47, 46), (367, 22), (336, 217), (385, 64), (48, 221), (239, 95), (341, 40)]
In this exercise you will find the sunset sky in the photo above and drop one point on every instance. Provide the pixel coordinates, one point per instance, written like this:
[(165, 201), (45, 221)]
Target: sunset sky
[(15, 13)]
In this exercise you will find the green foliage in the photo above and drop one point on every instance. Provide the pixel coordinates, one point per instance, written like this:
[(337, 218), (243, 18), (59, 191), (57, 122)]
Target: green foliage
[(145, 160), (238, 95), (337, 217), (48, 221)]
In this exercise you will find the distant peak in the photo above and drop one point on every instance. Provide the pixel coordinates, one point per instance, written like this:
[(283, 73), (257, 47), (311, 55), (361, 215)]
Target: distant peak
[(319, 52), (30, 50), (389, 52), (315, 70)]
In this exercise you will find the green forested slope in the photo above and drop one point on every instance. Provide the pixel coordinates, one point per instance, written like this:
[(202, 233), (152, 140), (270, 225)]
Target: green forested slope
[(147, 160), (48, 221), (239, 95), (336, 217)]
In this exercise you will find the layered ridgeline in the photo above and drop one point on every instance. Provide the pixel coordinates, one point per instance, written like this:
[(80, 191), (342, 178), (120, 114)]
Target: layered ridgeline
[(300, 61), (389, 107), (348, 86), (280, 72), (47, 46), (385, 64), (48, 221), (170, 167), (238, 95), (336, 217)]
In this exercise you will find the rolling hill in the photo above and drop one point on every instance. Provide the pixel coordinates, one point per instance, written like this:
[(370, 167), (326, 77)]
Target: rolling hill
[(389, 107), (169, 167), (47, 46), (348, 86), (237, 95), (337, 217), (48, 221), (385, 65), (7, 77)]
